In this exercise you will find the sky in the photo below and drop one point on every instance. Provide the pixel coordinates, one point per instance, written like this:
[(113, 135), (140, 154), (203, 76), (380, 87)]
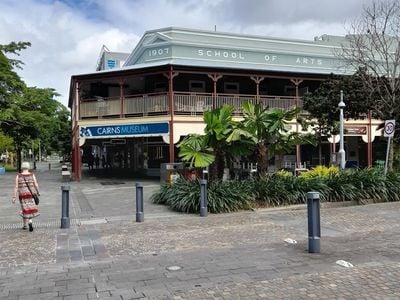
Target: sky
[(67, 35)]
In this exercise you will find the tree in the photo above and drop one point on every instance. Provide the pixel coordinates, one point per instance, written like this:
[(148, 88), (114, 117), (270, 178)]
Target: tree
[(321, 105), (263, 131), (11, 84), (54, 122), (29, 113), (14, 48), (268, 127), (223, 139), (6, 143), (373, 46), (21, 126), (193, 149)]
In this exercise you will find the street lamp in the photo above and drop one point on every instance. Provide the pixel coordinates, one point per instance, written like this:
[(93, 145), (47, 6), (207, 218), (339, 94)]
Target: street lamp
[(342, 154)]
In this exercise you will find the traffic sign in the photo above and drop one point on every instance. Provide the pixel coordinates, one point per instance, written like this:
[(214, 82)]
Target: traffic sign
[(389, 128)]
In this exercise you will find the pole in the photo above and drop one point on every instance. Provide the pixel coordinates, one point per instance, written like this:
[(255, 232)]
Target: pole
[(65, 223), (387, 155), (314, 223), (203, 198), (342, 153), (139, 203), (40, 152)]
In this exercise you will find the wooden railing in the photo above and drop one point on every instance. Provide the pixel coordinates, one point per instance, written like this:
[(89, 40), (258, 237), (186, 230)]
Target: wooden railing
[(283, 102), (146, 105), (189, 104), (192, 104), (100, 107)]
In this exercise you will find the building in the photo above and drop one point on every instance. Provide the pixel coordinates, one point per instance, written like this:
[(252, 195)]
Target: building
[(134, 115)]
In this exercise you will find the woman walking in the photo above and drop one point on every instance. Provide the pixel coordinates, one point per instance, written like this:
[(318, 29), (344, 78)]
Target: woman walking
[(25, 185)]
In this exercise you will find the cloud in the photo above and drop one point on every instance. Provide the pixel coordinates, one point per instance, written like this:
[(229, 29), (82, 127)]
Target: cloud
[(64, 41), (67, 35), (256, 12)]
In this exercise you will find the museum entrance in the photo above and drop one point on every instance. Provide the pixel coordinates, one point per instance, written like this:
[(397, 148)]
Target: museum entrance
[(138, 157)]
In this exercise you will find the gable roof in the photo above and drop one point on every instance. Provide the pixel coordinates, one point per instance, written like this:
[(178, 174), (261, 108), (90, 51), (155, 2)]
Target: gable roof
[(199, 48)]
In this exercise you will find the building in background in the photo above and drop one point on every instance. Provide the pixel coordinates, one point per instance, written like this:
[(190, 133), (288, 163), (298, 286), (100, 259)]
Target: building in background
[(132, 116), (110, 60)]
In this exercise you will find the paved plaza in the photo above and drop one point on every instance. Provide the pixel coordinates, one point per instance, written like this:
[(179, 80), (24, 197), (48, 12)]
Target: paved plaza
[(105, 254)]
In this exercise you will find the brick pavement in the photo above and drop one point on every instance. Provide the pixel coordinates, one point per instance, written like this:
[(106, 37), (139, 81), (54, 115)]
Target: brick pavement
[(230, 256)]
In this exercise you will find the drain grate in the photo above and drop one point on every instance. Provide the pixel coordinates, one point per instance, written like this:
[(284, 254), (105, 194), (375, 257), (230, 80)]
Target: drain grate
[(52, 224), (111, 182)]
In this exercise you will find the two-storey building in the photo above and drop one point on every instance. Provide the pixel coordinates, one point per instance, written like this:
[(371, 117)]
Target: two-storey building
[(133, 116)]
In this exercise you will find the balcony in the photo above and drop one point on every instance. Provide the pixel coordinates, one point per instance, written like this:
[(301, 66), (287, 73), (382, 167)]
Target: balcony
[(185, 104)]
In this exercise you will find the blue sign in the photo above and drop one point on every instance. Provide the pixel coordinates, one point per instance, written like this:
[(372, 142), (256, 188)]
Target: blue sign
[(125, 130), (111, 63)]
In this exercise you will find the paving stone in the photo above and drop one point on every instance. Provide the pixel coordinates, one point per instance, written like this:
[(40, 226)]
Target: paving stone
[(229, 256)]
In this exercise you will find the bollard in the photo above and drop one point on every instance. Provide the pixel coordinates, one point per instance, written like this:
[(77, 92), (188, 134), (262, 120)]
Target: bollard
[(205, 174), (65, 206), (314, 224), (49, 166), (203, 198), (139, 203)]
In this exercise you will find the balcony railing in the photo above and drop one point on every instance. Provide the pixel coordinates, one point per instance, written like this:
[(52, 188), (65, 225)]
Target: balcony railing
[(187, 104), (146, 105)]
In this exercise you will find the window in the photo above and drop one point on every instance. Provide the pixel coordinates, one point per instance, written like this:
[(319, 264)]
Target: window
[(160, 87), (290, 90), (197, 86), (231, 87)]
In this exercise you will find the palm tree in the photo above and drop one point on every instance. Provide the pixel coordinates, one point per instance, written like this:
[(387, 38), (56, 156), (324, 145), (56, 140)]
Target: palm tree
[(193, 149), (269, 129), (223, 139)]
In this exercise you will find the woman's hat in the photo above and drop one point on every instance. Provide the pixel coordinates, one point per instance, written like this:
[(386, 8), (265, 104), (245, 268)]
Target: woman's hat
[(25, 165)]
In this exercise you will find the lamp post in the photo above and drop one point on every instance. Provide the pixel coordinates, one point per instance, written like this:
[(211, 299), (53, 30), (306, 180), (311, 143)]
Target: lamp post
[(341, 144)]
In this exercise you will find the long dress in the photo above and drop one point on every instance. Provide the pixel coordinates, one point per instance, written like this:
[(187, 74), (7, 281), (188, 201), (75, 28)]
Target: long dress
[(29, 209)]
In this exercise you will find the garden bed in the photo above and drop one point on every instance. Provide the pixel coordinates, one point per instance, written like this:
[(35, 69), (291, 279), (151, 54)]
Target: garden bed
[(281, 189)]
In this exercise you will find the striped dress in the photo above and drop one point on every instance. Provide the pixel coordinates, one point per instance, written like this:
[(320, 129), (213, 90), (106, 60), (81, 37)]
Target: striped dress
[(28, 207)]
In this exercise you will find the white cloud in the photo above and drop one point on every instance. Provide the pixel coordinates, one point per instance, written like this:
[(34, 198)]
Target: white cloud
[(64, 42), (67, 38)]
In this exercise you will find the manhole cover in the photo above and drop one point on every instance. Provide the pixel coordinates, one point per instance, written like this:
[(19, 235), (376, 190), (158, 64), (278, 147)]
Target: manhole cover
[(111, 182)]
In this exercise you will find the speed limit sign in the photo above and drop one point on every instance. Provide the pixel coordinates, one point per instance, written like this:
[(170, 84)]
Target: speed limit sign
[(389, 128)]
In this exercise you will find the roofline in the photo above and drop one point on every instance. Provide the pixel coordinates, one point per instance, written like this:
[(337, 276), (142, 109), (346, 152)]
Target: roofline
[(230, 34)]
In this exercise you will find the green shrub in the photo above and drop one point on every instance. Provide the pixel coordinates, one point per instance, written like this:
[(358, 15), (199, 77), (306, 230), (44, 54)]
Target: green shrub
[(282, 189), (276, 190), (393, 186), (369, 182), (10, 168), (230, 196), (184, 196), (321, 171), (341, 188)]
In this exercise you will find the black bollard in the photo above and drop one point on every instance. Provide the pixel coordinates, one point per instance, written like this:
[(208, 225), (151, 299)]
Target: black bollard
[(314, 223), (205, 174), (49, 166), (203, 198), (65, 206), (139, 203)]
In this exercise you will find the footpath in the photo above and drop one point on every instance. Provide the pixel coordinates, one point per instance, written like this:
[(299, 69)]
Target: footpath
[(105, 254)]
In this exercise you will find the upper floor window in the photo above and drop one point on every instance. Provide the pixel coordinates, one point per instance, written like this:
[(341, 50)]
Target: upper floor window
[(160, 86), (290, 90), (231, 87), (197, 86)]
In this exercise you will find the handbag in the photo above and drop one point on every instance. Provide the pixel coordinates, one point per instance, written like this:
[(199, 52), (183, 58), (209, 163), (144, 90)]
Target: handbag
[(34, 196)]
